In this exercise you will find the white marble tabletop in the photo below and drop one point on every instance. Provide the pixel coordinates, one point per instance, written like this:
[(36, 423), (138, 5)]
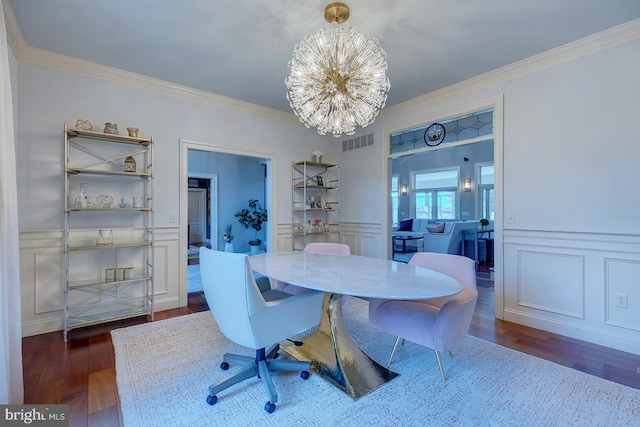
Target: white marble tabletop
[(355, 275)]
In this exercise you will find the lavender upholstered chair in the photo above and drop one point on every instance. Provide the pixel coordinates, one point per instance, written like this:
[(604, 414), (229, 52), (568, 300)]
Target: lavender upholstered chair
[(246, 318), (441, 324), (316, 248)]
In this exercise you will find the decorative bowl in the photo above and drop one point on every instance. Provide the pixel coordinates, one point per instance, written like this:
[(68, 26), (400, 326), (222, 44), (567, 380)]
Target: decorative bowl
[(105, 200)]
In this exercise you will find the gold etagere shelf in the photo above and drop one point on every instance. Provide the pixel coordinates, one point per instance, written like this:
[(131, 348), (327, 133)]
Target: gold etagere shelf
[(315, 203), (121, 164)]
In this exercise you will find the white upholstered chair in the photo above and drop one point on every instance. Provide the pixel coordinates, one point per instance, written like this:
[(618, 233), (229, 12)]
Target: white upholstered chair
[(316, 248), (246, 318), (441, 324)]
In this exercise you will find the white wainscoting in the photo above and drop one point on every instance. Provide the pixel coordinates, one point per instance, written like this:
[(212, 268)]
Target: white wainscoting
[(561, 282), (167, 268), (622, 276), (567, 283), (41, 276), (363, 239), (556, 288), (366, 239)]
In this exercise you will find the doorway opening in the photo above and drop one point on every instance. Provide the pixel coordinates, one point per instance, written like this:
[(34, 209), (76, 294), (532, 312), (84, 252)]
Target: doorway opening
[(418, 191), (202, 209), (233, 177)]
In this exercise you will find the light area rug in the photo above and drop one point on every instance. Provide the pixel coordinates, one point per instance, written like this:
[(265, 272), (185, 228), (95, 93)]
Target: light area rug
[(194, 284), (193, 251), (164, 368)]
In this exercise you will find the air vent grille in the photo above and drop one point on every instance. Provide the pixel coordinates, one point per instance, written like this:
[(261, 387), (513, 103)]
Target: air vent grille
[(357, 142)]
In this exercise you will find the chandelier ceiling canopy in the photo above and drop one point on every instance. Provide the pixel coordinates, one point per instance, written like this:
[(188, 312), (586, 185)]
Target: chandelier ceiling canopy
[(337, 77)]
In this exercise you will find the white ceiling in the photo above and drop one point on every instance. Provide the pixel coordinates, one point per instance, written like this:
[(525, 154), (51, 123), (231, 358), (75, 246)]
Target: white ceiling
[(240, 48)]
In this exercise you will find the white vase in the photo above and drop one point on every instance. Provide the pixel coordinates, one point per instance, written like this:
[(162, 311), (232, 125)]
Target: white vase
[(228, 247), (254, 249)]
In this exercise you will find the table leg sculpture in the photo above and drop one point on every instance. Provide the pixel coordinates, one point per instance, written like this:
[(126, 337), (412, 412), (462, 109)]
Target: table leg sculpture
[(336, 357)]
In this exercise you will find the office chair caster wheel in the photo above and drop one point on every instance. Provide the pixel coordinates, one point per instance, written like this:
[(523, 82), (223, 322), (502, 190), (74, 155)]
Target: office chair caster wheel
[(269, 407), (304, 375), (211, 400), (224, 366)]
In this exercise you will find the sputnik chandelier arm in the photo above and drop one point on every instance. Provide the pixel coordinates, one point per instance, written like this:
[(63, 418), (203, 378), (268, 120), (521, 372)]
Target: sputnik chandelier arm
[(337, 77)]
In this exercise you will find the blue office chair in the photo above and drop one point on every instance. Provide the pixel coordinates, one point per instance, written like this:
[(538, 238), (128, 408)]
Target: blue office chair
[(246, 318)]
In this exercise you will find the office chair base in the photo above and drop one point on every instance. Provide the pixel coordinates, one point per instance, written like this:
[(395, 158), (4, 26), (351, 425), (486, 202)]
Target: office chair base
[(261, 366)]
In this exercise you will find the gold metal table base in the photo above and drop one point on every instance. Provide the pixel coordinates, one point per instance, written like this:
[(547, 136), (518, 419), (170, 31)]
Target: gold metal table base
[(336, 357)]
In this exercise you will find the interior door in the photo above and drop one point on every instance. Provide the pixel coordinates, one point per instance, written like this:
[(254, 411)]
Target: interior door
[(197, 215)]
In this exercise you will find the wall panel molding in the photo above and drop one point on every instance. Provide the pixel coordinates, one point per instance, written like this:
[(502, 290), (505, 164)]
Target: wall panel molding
[(566, 282), (595, 239), (552, 282), (41, 274), (362, 238), (47, 279), (621, 278)]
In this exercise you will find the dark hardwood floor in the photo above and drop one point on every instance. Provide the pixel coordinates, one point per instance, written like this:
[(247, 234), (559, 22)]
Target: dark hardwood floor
[(81, 373)]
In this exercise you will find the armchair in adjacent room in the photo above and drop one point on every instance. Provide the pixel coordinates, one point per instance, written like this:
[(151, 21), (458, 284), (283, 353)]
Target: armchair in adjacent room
[(449, 241), (246, 318), (442, 323)]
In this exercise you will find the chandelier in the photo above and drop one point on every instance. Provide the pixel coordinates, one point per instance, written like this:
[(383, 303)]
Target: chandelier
[(338, 76)]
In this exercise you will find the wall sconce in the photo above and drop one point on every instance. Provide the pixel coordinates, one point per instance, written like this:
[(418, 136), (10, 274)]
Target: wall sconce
[(403, 189), (466, 186)]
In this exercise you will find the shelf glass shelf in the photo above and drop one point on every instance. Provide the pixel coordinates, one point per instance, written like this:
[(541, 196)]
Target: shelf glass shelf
[(316, 210), (119, 313), (312, 163), (123, 139), (77, 171), (109, 209), (115, 245), (315, 187), (78, 285)]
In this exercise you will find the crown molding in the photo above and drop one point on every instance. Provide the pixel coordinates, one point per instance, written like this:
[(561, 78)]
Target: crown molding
[(614, 36), (14, 35), (73, 65)]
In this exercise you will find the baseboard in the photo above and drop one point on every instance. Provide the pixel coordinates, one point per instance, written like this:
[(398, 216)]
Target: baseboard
[(42, 327), (57, 324), (570, 330)]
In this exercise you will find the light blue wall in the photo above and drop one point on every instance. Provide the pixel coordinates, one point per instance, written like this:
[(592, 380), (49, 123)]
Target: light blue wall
[(240, 178)]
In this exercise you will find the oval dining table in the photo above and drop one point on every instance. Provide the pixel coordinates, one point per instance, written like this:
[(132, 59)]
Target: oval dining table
[(330, 349)]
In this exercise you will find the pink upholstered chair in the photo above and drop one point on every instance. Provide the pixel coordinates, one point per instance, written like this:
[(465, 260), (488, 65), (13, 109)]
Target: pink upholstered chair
[(441, 324), (328, 248), (316, 248)]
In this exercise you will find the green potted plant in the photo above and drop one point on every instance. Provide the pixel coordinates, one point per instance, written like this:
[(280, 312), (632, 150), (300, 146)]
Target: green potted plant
[(484, 222), (253, 218)]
